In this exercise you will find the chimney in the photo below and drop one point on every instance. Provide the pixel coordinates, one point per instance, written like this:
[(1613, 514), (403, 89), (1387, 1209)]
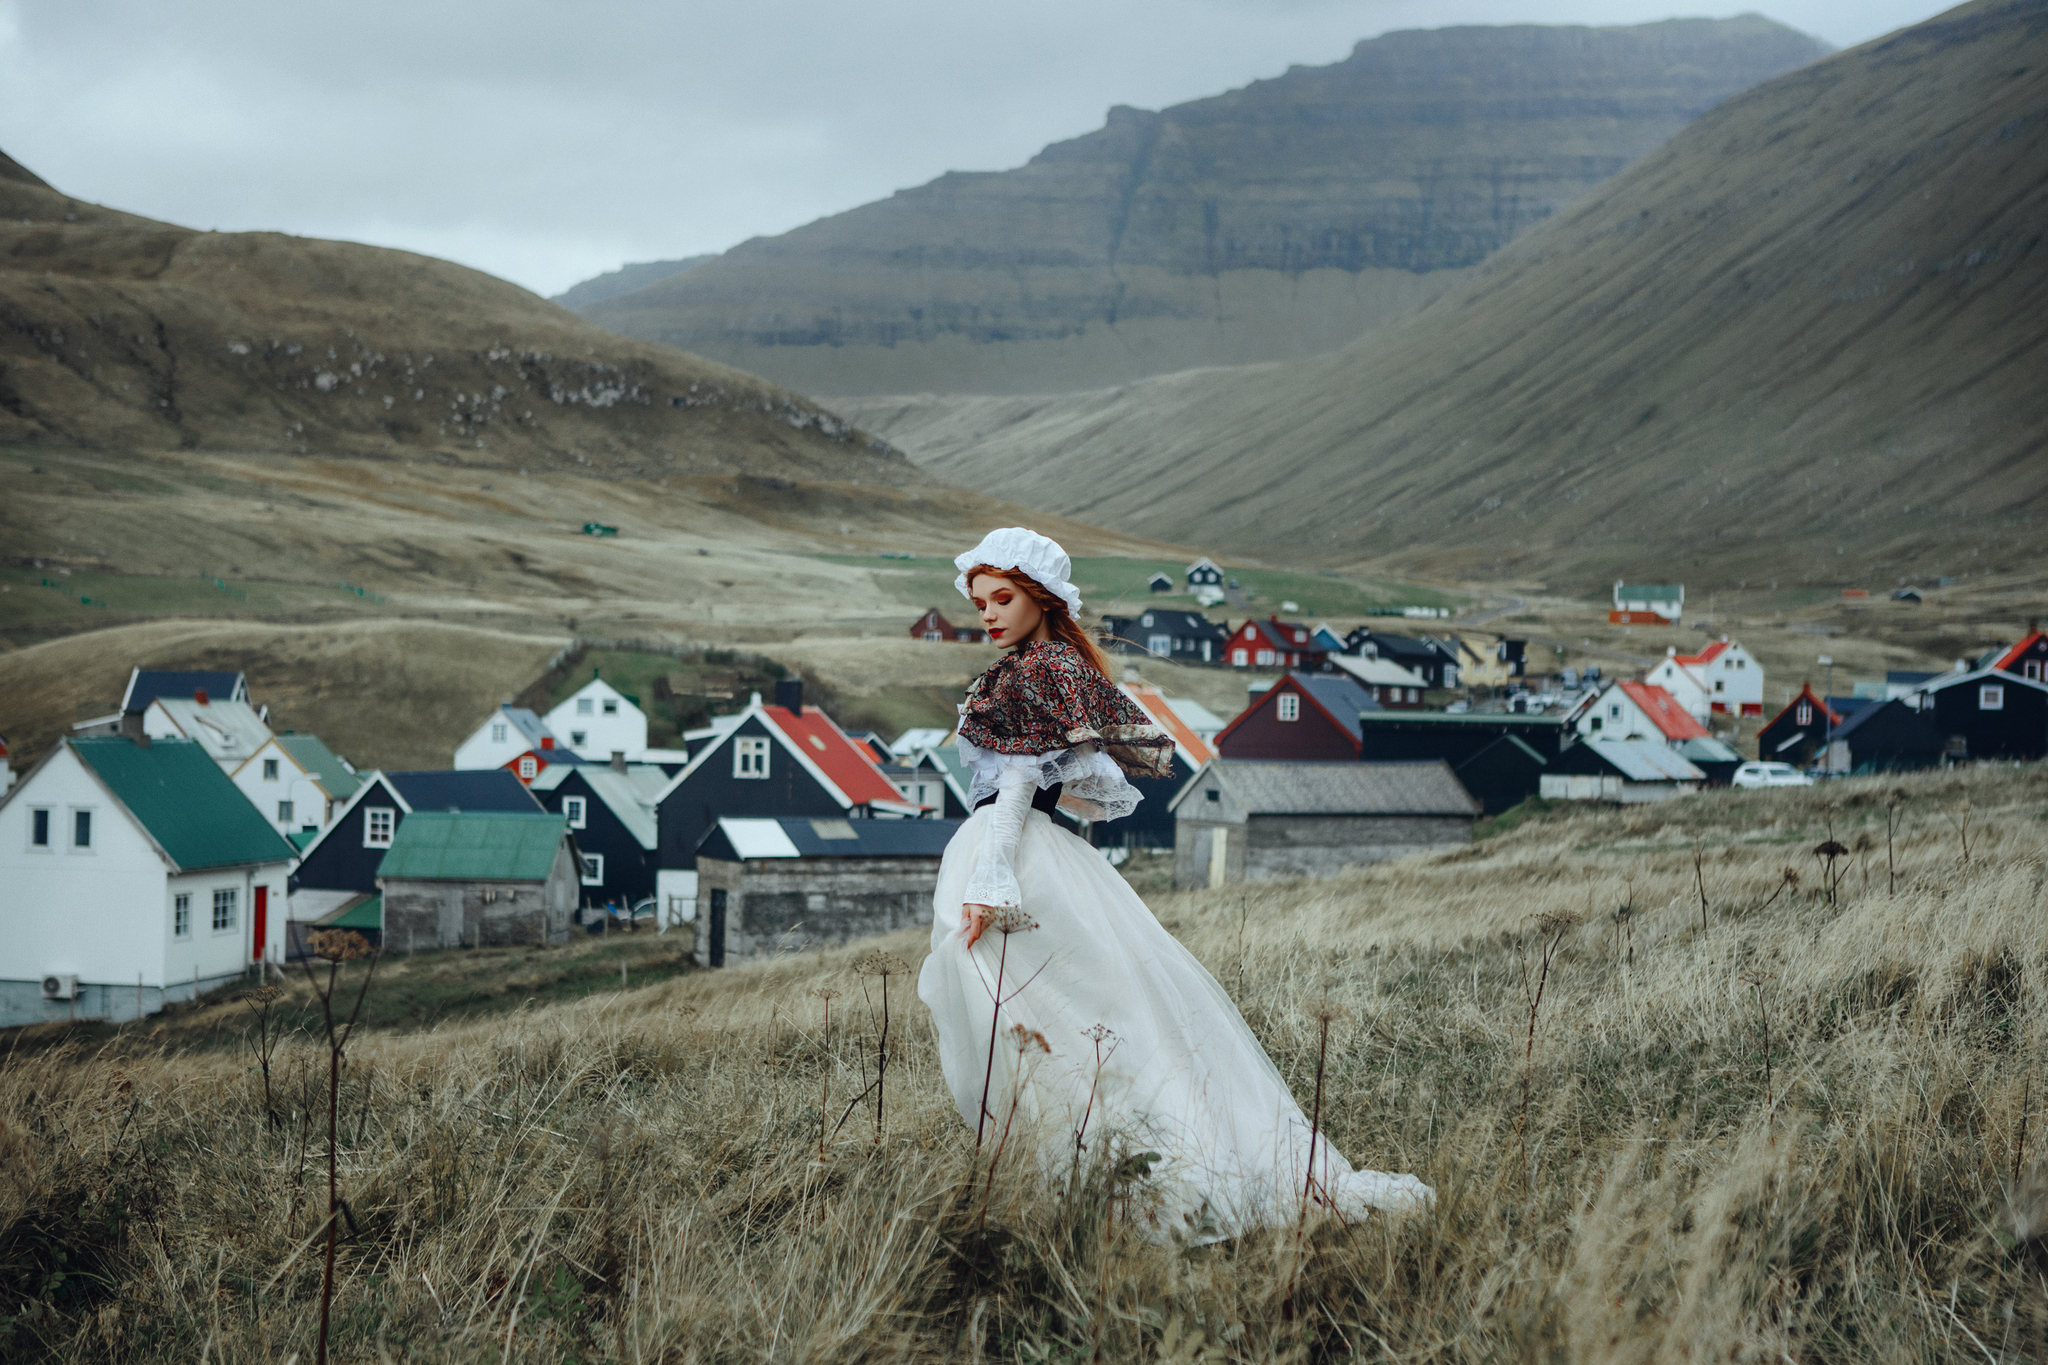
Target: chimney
[(547, 741), (789, 694), (199, 696), (618, 760)]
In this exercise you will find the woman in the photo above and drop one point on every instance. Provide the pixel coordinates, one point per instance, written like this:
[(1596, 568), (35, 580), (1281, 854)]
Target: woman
[(1062, 1007)]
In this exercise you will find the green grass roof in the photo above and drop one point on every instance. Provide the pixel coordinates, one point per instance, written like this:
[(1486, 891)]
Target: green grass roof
[(185, 801), (477, 845)]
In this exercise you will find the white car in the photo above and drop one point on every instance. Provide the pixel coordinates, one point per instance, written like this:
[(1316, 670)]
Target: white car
[(1770, 775)]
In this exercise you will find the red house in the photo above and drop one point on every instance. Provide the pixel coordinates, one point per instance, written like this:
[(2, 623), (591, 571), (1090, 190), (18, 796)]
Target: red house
[(936, 628), (1307, 716), (534, 762), (1274, 643)]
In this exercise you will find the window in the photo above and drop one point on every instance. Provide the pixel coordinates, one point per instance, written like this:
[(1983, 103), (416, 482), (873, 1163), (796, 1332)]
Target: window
[(1614, 710), (1215, 797), (284, 812), (1991, 697), (1288, 707), (497, 732), (611, 708), (583, 707), (39, 827), (270, 770), (1159, 646), (528, 766), (572, 806), (576, 738), (81, 829), (1596, 725), (2031, 669), (1265, 658), (750, 757), (936, 637), (378, 822), (181, 915), (1239, 658), (1720, 684), (1146, 620), (593, 869), (1415, 694), (223, 910), (1804, 715)]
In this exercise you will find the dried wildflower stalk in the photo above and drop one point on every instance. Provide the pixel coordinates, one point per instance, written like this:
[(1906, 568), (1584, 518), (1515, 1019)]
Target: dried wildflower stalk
[(1550, 930), (1029, 1043), (335, 946), (1006, 921), (827, 995)]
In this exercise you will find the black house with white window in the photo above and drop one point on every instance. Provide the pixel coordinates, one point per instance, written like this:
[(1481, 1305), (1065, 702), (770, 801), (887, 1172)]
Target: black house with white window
[(1989, 713), (1186, 637), (1433, 661), (780, 759), (348, 852), (610, 811)]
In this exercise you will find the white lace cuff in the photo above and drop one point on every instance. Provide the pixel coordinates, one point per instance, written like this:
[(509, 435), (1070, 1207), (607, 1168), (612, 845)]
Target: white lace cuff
[(995, 879)]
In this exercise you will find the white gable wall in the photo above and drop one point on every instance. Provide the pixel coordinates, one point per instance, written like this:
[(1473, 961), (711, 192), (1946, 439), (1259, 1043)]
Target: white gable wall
[(292, 783), (493, 744), (622, 729), (1685, 684), (1615, 715)]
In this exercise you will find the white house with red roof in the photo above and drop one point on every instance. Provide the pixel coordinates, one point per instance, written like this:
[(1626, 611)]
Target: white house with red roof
[(1640, 710), (1722, 679)]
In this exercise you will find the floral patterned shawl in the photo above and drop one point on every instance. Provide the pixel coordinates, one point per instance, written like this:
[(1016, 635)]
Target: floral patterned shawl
[(1044, 698)]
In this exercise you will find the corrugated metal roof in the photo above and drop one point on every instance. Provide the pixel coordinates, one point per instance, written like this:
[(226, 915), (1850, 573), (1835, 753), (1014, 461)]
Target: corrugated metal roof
[(227, 730), (188, 805), (1663, 710), (323, 763), (629, 795), (1643, 760), (474, 845), (1378, 672), (1277, 788), (793, 836), (1708, 750), (463, 789)]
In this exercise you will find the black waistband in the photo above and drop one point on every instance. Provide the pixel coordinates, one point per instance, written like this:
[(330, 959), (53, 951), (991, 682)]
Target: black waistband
[(1045, 798)]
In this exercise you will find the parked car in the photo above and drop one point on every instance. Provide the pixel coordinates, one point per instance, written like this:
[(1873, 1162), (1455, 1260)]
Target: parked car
[(1770, 775)]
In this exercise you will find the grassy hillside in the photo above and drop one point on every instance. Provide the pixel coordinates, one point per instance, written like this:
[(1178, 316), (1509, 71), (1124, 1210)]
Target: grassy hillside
[(1792, 1125), (1800, 345)]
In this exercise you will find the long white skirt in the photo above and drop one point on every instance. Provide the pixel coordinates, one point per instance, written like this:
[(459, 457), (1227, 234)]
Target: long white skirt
[(1179, 1074)]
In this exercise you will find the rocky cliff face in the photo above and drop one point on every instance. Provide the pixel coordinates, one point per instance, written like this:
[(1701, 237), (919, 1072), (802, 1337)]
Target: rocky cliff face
[(1281, 219)]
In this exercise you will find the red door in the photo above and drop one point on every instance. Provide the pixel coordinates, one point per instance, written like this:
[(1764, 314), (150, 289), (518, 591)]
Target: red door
[(262, 922)]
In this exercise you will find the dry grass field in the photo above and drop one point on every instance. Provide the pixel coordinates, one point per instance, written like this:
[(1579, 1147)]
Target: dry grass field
[(1797, 1122)]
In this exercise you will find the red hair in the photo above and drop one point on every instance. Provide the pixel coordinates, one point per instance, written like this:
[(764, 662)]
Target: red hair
[(1059, 622)]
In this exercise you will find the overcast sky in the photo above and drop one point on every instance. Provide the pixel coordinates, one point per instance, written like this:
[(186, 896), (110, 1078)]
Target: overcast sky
[(547, 142)]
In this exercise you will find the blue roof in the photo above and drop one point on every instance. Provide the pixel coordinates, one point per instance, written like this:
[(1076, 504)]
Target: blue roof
[(847, 838), (147, 684), (463, 789), (1340, 696)]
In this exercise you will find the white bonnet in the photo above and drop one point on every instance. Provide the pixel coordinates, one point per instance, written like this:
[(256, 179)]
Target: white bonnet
[(1038, 556)]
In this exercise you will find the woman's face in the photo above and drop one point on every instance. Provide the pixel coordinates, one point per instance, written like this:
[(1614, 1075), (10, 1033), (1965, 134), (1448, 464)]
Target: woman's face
[(1008, 614)]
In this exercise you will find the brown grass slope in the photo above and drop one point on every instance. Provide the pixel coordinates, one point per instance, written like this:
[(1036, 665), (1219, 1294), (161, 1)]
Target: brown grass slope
[(1802, 342), (117, 330), (1804, 1125), (1281, 219)]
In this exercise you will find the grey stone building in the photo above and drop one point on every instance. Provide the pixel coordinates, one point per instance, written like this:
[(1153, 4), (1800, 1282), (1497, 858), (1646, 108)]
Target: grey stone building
[(1253, 820), (787, 882), (464, 879)]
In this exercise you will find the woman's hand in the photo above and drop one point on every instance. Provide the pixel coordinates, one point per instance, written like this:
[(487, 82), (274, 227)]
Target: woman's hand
[(975, 920)]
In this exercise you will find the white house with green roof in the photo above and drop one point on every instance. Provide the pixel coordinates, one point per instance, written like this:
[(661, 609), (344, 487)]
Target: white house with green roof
[(297, 784), (131, 874), (456, 879)]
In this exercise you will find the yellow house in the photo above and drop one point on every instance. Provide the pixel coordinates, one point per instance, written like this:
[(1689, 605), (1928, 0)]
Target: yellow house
[(1488, 663)]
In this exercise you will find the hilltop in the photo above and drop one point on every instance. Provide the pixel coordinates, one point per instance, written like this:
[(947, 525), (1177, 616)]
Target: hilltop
[(126, 332), (1800, 344), (1280, 219)]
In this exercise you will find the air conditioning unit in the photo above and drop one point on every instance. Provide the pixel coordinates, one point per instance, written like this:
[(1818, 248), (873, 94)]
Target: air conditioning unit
[(60, 987)]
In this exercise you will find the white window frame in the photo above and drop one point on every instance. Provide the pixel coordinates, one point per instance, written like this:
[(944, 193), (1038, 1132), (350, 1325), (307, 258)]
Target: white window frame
[(284, 812), (935, 637), (1287, 707), (181, 915), (2031, 670), (584, 707), (1991, 696), (1264, 658), (750, 757), (529, 767), (497, 732), (375, 816), (74, 846), (1159, 646), (270, 770), (593, 869), (1239, 658), (1803, 714), (577, 810), (226, 914), (49, 843)]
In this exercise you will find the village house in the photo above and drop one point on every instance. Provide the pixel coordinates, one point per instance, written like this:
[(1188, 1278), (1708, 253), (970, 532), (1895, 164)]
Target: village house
[(508, 739), (1180, 636), (1489, 663), (597, 721), (1799, 734), (936, 629), (1645, 711), (1386, 682), (1250, 821), (1431, 660), (1160, 583), (1302, 716), (343, 859), (1621, 772), (1203, 573), (135, 874), (145, 685), (1500, 757), (609, 809), (1274, 643), (472, 879), (1887, 736), (767, 760), (2028, 659), (1988, 713), (296, 783), (1722, 679), (786, 883), (229, 731), (1647, 604)]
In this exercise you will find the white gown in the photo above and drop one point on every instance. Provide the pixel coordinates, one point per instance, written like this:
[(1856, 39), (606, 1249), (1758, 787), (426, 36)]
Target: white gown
[(1184, 1077)]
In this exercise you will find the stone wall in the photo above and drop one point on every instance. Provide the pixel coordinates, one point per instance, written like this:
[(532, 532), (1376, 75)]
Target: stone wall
[(787, 904), (421, 915), (1278, 847)]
